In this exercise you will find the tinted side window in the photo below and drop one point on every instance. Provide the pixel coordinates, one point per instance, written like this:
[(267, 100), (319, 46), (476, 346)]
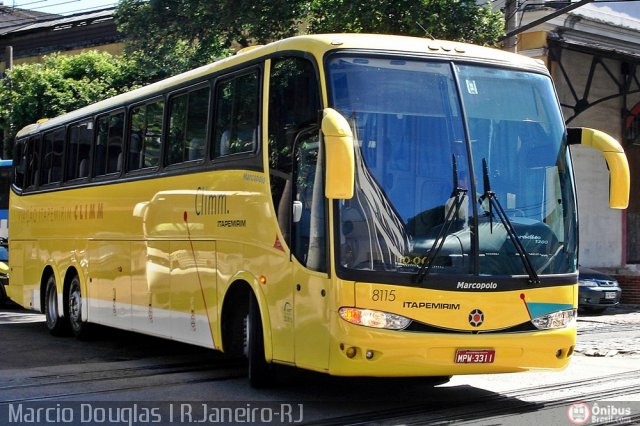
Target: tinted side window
[(188, 114), (19, 163), (53, 156), (145, 135), (294, 102), (108, 152), (79, 151), (32, 163), (237, 112)]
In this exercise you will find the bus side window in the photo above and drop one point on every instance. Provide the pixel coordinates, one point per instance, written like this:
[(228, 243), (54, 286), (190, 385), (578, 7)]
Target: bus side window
[(53, 155), (20, 163), (32, 165), (237, 112), (137, 128), (145, 135), (99, 154), (79, 150), (294, 102), (188, 114), (108, 149), (177, 128), (114, 143), (153, 134)]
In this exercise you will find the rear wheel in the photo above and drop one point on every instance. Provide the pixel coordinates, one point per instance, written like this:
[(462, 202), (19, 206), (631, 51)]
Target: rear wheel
[(57, 325), (80, 328)]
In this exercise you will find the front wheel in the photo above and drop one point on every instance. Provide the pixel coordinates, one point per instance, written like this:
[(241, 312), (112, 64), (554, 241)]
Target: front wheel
[(78, 326), (57, 325), (3, 296), (260, 371)]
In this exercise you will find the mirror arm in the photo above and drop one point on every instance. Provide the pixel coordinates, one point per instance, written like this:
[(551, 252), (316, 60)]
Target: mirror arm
[(619, 177)]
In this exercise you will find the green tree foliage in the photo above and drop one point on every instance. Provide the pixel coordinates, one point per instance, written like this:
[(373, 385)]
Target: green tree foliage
[(171, 36), (460, 20), (60, 84)]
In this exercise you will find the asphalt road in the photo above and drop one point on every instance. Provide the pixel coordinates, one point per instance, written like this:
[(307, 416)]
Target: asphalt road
[(126, 378)]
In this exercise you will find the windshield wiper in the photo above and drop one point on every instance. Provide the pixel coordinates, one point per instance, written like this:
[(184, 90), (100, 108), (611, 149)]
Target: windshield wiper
[(458, 194), (490, 196)]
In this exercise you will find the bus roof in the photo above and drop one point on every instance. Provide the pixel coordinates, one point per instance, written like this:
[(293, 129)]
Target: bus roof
[(315, 44)]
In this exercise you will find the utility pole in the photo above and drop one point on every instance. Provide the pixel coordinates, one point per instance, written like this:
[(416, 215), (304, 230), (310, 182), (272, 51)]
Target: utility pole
[(8, 57), (511, 17)]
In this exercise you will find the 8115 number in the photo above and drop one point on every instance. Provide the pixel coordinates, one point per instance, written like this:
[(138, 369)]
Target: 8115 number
[(378, 295)]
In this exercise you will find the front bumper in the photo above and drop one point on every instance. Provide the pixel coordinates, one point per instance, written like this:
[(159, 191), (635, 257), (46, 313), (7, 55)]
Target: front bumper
[(402, 353), (393, 353)]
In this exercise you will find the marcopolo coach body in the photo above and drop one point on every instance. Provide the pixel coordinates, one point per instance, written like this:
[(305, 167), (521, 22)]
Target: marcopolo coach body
[(351, 204)]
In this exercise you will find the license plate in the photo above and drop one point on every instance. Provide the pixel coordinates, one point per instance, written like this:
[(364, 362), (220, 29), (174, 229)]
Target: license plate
[(610, 295), (475, 356)]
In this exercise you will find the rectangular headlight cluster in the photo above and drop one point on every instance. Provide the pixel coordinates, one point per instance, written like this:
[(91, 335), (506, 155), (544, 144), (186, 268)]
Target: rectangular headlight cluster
[(375, 319), (559, 319)]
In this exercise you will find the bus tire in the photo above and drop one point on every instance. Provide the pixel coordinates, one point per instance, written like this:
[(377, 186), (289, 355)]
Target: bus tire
[(260, 372), (80, 328), (57, 325), (3, 296)]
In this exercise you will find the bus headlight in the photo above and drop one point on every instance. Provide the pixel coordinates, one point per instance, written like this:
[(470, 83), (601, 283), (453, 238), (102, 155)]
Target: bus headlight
[(560, 319), (375, 319)]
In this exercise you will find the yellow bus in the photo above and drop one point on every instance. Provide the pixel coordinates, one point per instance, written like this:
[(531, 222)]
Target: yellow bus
[(358, 205)]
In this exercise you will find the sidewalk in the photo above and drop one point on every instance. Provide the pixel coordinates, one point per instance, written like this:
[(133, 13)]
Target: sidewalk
[(615, 332)]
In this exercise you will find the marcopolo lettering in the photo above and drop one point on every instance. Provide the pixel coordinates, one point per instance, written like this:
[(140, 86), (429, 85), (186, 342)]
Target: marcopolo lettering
[(477, 286)]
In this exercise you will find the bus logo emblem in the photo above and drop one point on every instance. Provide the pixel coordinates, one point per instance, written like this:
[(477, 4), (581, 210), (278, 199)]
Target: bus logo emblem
[(476, 318)]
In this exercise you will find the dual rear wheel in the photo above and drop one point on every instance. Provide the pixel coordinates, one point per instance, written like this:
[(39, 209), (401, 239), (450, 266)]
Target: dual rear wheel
[(260, 372), (72, 322)]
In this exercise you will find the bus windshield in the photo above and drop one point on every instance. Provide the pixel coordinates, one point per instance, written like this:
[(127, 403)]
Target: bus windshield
[(460, 169)]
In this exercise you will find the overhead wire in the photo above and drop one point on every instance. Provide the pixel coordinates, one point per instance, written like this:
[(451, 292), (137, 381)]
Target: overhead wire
[(53, 3), (19, 21)]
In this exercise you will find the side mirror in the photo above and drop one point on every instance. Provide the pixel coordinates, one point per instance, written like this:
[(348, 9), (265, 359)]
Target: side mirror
[(339, 154), (619, 181)]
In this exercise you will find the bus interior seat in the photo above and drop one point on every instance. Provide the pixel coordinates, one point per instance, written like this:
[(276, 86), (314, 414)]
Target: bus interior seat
[(245, 141), (99, 160), (195, 149), (83, 168), (115, 156), (55, 175), (135, 152), (119, 161)]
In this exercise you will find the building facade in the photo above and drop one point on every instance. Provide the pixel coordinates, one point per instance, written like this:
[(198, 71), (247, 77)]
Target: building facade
[(32, 37), (594, 58)]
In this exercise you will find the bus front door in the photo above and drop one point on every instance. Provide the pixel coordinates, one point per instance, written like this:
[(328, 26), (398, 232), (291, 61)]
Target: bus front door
[(308, 241)]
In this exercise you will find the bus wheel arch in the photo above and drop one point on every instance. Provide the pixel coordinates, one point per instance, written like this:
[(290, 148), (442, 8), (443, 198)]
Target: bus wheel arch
[(48, 272), (243, 332), (57, 323), (234, 308)]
